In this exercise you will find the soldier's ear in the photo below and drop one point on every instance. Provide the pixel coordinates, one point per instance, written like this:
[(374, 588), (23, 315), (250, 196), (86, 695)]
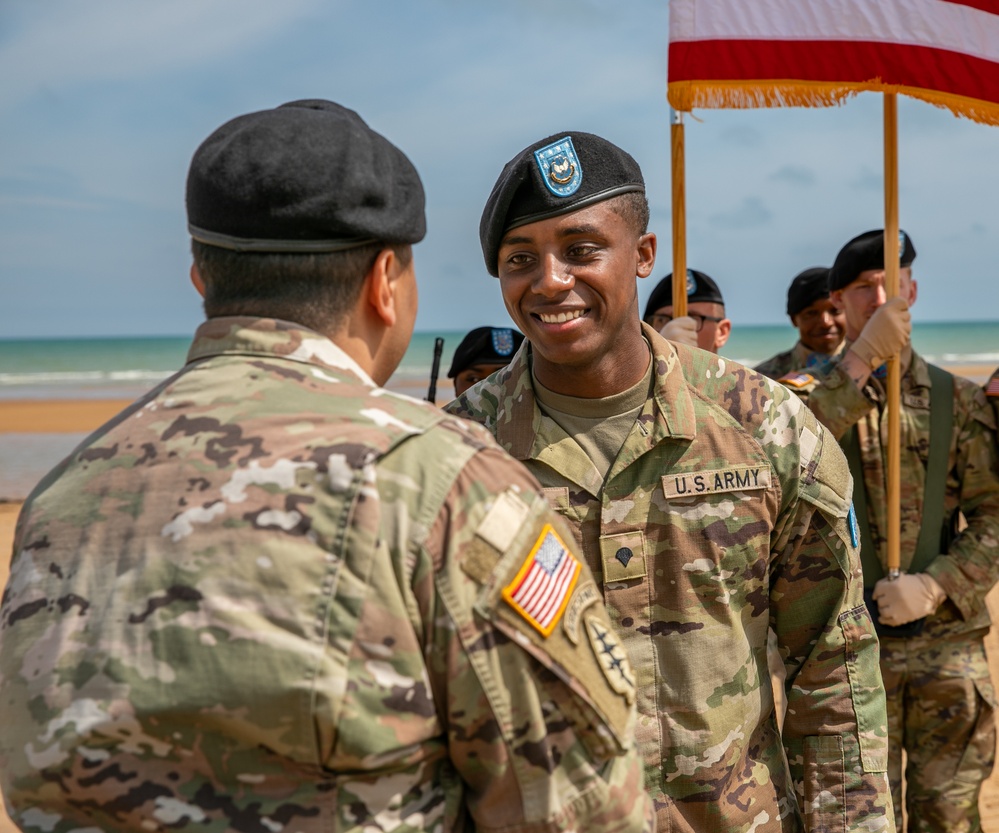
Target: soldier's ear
[(380, 286), (646, 254), (197, 281)]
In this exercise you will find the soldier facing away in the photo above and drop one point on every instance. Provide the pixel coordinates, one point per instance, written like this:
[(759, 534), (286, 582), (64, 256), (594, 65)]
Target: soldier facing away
[(708, 501), (271, 595), (933, 618), (819, 323)]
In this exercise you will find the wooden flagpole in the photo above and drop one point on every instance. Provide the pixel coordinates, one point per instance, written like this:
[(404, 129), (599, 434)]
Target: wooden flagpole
[(679, 214), (894, 381)]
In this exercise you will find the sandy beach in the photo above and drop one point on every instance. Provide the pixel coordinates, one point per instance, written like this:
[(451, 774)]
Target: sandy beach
[(43, 431)]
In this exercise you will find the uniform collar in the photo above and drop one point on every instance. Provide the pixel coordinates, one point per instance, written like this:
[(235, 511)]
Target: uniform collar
[(274, 338), (669, 414)]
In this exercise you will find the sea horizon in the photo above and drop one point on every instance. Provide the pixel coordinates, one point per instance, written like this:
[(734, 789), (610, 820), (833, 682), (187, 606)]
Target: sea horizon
[(115, 367)]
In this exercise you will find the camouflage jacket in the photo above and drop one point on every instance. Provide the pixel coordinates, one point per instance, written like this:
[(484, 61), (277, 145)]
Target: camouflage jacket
[(725, 513), (796, 358), (271, 596), (969, 568)]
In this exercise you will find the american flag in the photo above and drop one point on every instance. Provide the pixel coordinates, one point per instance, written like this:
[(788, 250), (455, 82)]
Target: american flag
[(543, 585), (993, 387), (772, 53)]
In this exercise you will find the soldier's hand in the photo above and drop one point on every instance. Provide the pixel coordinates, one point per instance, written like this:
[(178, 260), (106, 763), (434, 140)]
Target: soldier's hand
[(682, 330), (885, 334), (907, 598)]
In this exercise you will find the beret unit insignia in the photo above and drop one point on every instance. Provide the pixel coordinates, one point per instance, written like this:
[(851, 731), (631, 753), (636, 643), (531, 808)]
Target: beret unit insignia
[(542, 587), (560, 167), (503, 341)]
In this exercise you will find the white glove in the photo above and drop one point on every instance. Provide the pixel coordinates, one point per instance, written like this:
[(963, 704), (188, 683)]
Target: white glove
[(885, 333), (682, 330), (907, 598)]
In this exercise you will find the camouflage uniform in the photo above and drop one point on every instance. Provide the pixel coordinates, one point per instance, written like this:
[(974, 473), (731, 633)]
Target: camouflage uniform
[(796, 358), (270, 596), (724, 513), (940, 696)]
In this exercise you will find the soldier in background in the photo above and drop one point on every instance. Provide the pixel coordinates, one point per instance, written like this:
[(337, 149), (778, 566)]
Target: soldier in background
[(932, 619), (482, 351), (707, 500), (704, 325), (819, 323), (271, 595)]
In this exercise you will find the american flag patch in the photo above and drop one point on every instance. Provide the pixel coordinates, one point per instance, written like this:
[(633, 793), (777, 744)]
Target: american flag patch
[(542, 587), (796, 380), (992, 388)]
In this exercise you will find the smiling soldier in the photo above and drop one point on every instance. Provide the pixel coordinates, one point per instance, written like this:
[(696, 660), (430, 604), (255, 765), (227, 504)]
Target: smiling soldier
[(707, 501), (820, 324)]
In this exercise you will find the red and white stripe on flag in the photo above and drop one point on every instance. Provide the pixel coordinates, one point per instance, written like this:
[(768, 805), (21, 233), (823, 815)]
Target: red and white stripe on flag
[(542, 587), (772, 53)]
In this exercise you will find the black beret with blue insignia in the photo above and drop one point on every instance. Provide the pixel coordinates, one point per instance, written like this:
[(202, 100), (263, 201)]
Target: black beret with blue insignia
[(563, 173), (808, 286), (308, 176), (700, 287), (867, 251), (485, 345)]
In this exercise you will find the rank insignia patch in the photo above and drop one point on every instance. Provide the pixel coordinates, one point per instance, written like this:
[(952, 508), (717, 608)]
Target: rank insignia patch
[(543, 585), (503, 341), (560, 168), (612, 657)]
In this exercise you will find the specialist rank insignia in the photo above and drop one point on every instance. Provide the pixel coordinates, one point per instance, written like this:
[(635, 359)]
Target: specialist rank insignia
[(503, 341), (543, 586), (560, 167), (612, 657)]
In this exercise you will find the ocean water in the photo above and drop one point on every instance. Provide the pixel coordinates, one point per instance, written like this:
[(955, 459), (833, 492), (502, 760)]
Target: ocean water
[(127, 367)]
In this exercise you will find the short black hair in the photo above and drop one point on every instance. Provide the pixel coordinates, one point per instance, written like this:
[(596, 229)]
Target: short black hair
[(634, 208), (317, 290)]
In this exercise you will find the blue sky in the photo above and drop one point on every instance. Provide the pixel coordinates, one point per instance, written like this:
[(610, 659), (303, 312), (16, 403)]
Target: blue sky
[(103, 103)]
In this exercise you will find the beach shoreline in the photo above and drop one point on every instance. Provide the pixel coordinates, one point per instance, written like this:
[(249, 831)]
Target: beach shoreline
[(67, 416)]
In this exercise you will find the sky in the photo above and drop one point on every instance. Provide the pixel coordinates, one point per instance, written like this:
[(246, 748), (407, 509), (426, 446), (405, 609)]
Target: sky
[(104, 102)]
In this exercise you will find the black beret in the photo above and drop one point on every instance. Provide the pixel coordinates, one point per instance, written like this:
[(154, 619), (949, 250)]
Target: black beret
[(699, 288), (485, 345), (308, 176), (807, 287), (563, 173), (867, 251)]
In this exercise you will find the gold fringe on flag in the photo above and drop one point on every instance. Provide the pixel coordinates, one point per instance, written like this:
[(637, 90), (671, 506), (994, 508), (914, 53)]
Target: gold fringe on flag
[(715, 95)]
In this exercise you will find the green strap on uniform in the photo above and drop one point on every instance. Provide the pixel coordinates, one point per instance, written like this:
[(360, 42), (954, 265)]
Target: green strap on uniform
[(934, 489)]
